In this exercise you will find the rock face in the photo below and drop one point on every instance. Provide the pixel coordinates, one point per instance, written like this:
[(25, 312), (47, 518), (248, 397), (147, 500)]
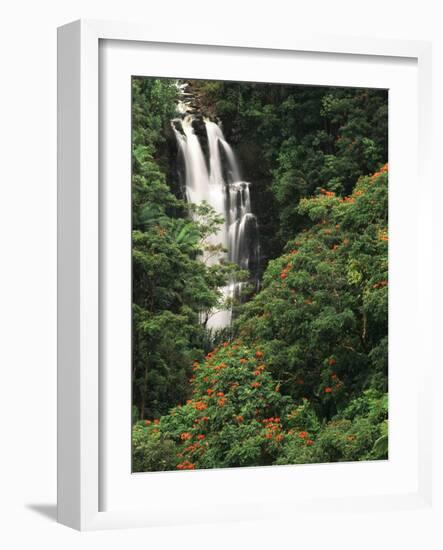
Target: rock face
[(197, 102)]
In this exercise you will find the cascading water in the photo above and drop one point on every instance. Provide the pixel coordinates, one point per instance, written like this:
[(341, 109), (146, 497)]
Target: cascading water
[(221, 186)]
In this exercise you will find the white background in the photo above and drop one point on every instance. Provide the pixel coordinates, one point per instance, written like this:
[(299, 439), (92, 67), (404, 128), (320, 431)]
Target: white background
[(260, 486), (28, 268)]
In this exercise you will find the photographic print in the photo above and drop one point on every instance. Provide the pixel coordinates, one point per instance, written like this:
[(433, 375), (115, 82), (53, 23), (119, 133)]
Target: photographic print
[(259, 274)]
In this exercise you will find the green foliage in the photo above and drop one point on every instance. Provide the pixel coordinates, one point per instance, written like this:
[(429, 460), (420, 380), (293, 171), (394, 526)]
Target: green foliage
[(172, 288), (301, 375), (237, 416), (151, 451), (322, 313), (294, 139)]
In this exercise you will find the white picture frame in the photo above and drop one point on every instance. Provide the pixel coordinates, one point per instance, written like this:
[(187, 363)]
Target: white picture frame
[(81, 414)]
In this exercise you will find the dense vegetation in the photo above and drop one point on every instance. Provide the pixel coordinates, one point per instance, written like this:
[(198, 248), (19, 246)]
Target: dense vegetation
[(301, 376)]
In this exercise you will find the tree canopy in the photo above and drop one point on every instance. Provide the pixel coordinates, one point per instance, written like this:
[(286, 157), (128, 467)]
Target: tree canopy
[(302, 374)]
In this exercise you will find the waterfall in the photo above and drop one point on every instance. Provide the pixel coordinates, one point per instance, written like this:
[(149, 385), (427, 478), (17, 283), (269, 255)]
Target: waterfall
[(219, 183)]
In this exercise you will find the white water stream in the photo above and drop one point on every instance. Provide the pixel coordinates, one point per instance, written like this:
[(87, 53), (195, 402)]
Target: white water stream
[(221, 186)]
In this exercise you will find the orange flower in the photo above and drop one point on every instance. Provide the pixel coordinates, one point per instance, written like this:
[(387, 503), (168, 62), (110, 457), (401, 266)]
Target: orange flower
[(185, 436), (209, 391), (279, 437), (243, 360), (200, 437), (328, 390), (221, 401), (220, 394), (255, 385), (257, 372), (147, 422), (309, 442), (200, 406), (332, 361), (186, 465), (303, 435), (239, 418), (156, 421), (259, 354)]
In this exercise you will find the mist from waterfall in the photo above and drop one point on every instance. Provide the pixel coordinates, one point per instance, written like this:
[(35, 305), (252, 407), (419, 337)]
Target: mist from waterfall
[(219, 183)]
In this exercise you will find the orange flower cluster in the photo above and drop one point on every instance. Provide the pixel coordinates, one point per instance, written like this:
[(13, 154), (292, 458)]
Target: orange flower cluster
[(200, 437), (382, 170), (383, 236), (328, 390), (273, 428), (239, 418), (332, 361), (209, 391), (259, 354), (185, 436), (271, 419), (186, 465), (309, 442), (147, 422), (200, 406), (285, 272), (348, 200), (218, 368), (327, 193), (303, 435), (243, 360), (255, 385), (221, 402)]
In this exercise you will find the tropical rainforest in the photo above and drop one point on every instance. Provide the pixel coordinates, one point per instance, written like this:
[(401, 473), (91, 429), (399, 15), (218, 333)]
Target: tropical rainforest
[(299, 374)]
